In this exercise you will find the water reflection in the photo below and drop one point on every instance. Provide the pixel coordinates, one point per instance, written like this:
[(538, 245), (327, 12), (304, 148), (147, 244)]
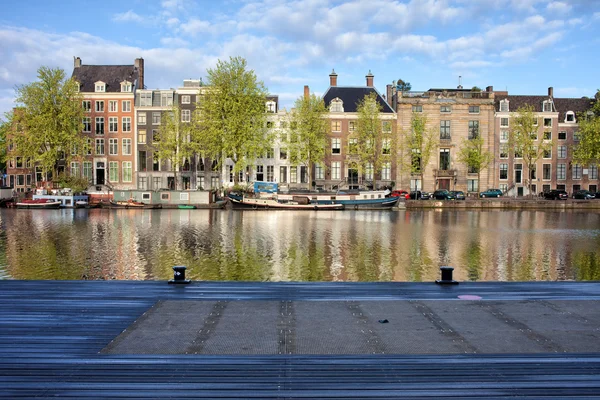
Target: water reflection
[(299, 246)]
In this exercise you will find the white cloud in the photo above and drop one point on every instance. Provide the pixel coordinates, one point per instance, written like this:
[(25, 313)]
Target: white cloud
[(174, 42), (196, 26), (559, 7), (129, 16)]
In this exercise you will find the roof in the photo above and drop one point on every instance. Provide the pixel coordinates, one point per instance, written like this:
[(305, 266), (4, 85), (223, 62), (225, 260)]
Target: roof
[(562, 105), (112, 75), (351, 97), (575, 105)]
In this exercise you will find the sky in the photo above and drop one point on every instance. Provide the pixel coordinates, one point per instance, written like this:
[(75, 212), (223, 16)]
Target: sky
[(523, 46)]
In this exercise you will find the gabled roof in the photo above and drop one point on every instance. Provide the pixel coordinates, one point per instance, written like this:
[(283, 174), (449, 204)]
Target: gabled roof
[(112, 75), (516, 102), (576, 105), (351, 96), (562, 105)]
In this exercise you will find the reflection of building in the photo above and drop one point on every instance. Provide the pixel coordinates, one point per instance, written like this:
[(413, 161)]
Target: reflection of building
[(341, 164), (557, 122), (455, 115), (108, 94)]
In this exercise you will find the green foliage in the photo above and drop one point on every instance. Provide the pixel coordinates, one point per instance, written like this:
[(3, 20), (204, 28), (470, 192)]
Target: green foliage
[(473, 154), (48, 121), (230, 116), (371, 137), (418, 146), (403, 86), (475, 89), (77, 184), (4, 132), (176, 142), (587, 151), (308, 132), (524, 137)]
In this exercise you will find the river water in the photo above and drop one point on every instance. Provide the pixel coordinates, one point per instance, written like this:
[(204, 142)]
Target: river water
[(299, 245)]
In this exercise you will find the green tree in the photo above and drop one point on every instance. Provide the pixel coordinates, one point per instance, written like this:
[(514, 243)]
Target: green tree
[(417, 147), (374, 139), (474, 156), (523, 139), (4, 133), (475, 89), (308, 132), (587, 151), (403, 86), (176, 142), (230, 116), (48, 120)]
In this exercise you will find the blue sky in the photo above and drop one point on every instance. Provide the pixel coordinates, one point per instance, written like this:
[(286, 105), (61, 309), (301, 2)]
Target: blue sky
[(523, 46)]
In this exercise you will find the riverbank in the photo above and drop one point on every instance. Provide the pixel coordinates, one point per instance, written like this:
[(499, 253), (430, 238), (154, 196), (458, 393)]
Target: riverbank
[(125, 339), (503, 203)]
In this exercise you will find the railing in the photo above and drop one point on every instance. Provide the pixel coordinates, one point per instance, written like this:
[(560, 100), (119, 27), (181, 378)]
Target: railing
[(444, 172)]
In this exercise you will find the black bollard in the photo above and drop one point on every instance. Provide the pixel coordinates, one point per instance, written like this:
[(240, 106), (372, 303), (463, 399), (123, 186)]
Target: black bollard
[(179, 275), (447, 276)]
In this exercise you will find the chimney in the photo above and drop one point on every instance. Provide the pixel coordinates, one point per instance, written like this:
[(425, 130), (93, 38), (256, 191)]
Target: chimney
[(139, 64), (551, 92), (332, 78), (306, 92), (77, 62), (459, 82), (369, 79), (489, 89)]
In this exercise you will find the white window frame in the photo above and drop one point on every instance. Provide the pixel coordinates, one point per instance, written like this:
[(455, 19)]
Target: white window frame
[(99, 105), (126, 146), (100, 87), (99, 149), (126, 105), (126, 124), (127, 171), (87, 124), (113, 122), (186, 99), (336, 169), (113, 168), (113, 106), (336, 144), (145, 99), (186, 115), (141, 118), (113, 147)]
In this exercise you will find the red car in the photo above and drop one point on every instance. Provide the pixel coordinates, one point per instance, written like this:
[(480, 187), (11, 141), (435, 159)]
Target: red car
[(399, 193)]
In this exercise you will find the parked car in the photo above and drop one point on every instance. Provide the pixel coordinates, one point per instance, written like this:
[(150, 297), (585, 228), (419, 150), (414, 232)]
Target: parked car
[(415, 195), (556, 194), (443, 194), (491, 193), (426, 195), (403, 194), (584, 194), (458, 194)]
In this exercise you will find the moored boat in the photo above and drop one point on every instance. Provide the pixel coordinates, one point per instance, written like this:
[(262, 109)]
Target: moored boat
[(279, 204), (38, 203), (364, 200), (186, 207), (132, 204)]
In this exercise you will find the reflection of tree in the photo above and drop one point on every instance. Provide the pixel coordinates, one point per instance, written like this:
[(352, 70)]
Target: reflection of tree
[(472, 258), (307, 264), (419, 261), (524, 266), (586, 266)]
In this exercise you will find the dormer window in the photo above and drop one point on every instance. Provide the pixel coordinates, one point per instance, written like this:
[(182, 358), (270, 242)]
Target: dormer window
[(547, 106), (570, 116), (337, 105), (100, 87), (126, 86), (271, 107), (504, 105), (78, 86)]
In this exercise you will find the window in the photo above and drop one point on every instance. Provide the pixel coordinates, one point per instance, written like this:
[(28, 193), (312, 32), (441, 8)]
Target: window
[(87, 105), (319, 172), (271, 107), (562, 135), (90, 146), (473, 109), (577, 170), (546, 172), (126, 105), (336, 146), (113, 106), (504, 150), (113, 124), (146, 99), (570, 116), (518, 152), (593, 173), (141, 136), (504, 106), (503, 171), (283, 154), (155, 118), (185, 99), (547, 153), (547, 135), (386, 146), (576, 136), (547, 106), (99, 125), (127, 172), (386, 127), (417, 108), (141, 118), (336, 105), (74, 169), (535, 121), (87, 170), (444, 159), (166, 99), (444, 129), (126, 124), (386, 171), (270, 153), (293, 174), (472, 185), (270, 124), (351, 126), (473, 129), (547, 122), (561, 171), (87, 124), (99, 147), (113, 147), (155, 136), (100, 106), (445, 109), (534, 135), (562, 151), (270, 173), (335, 170), (504, 122), (186, 115), (142, 160), (336, 126), (504, 136), (352, 145), (283, 175), (126, 86), (126, 147), (113, 171), (100, 87), (369, 171)]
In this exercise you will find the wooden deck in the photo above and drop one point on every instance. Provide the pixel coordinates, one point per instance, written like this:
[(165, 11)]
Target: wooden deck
[(52, 334)]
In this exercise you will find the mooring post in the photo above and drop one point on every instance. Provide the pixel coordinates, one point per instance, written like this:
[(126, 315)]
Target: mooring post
[(179, 274), (446, 276)]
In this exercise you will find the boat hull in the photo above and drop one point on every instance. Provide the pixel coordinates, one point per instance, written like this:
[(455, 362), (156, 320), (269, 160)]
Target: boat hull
[(40, 206), (273, 204)]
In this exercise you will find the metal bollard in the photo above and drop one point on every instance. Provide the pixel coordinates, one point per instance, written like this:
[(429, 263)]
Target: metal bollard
[(179, 274), (447, 276)]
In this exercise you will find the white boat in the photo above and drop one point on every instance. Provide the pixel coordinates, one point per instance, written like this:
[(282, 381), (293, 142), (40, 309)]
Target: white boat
[(281, 204)]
